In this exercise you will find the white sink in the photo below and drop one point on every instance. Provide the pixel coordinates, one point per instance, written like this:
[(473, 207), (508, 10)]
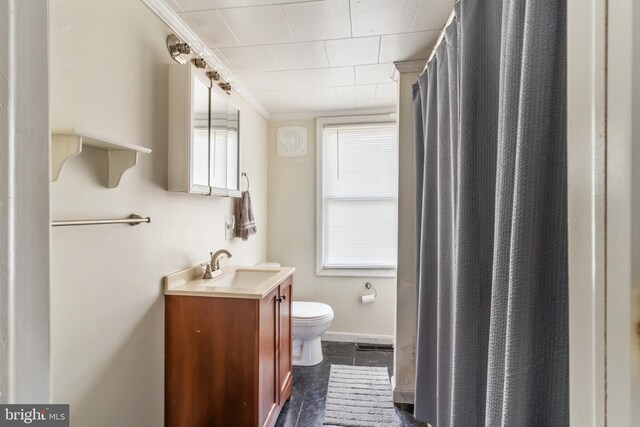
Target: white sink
[(232, 282), (242, 278)]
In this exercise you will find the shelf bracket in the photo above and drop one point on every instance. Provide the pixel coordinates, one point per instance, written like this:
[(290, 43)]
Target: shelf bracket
[(65, 147), (119, 162), (67, 143)]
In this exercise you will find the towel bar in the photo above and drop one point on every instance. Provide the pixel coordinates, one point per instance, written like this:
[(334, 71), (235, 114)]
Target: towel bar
[(133, 219)]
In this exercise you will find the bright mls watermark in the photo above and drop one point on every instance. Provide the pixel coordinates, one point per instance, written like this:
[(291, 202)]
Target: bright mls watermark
[(34, 415)]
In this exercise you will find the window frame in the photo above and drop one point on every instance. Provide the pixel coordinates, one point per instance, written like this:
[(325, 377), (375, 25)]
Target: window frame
[(321, 122)]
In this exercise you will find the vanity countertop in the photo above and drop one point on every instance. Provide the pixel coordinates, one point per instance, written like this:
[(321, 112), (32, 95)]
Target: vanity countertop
[(189, 282)]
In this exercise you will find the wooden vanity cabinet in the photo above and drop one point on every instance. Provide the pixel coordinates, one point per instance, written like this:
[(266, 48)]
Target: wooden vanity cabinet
[(285, 371), (227, 360)]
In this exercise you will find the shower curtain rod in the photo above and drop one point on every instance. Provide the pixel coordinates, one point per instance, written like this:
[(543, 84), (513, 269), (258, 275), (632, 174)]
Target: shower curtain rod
[(440, 38)]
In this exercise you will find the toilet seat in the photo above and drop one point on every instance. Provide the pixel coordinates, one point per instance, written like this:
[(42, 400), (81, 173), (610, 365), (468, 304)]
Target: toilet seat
[(303, 311)]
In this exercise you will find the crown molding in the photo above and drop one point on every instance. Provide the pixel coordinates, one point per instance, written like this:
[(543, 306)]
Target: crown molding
[(407, 67)]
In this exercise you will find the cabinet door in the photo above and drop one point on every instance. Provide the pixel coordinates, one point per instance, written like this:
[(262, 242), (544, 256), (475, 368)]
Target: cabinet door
[(284, 363), (200, 146), (189, 146), (210, 355), (225, 148), (268, 387), (204, 135), (233, 150), (218, 154)]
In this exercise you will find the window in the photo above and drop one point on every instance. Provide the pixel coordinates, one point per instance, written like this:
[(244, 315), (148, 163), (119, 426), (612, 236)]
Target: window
[(357, 196)]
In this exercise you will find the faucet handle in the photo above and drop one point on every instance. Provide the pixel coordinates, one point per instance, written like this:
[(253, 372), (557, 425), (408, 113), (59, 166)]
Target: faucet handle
[(207, 272)]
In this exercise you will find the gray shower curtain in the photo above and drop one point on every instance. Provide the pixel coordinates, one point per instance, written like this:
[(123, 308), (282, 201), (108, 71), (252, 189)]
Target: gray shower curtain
[(490, 127)]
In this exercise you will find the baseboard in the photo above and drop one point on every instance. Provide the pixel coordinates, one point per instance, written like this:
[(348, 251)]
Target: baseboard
[(403, 395), (355, 337)]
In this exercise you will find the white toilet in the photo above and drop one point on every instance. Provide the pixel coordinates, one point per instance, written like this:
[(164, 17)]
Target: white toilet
[(310, 320)]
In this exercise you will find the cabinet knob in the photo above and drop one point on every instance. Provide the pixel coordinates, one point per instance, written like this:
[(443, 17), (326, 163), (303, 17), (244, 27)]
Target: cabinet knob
[(282, 298)]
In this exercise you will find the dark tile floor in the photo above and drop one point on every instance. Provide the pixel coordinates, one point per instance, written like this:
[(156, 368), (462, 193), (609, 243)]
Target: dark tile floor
[(306, 407)]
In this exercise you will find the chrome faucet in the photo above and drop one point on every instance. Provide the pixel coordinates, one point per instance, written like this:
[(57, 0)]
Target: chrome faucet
[(215, 258)]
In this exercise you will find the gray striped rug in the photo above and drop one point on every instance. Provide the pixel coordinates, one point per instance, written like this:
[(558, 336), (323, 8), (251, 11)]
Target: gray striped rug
[(359, 396)]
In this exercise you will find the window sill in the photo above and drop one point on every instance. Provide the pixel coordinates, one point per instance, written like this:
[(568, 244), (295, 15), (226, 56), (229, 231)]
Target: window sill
[(338, 272)]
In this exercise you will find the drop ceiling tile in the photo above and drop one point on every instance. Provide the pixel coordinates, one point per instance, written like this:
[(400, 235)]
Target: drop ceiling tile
[(258, 25), (297, 79), (360, 51), (210, 28), (319, 105), (331, 77), (406, 47), (356, 93), (369, 74), (296, 56), (319, 20), (376, 17), (376, 103), (386, 91), (254, 81), (278, 101), (432, 14), (190, 5), (250, 58), (345, 105), (325, 95)]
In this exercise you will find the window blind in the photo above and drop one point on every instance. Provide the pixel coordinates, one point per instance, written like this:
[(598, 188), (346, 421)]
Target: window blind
[(219, 156), (359, 196), (200, 156)]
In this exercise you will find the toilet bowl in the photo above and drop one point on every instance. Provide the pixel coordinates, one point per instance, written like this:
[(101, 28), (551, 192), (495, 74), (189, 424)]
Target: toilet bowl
[(310, 320)]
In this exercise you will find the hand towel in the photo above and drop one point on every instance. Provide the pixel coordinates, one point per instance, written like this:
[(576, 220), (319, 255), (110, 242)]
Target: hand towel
[(245, 224)]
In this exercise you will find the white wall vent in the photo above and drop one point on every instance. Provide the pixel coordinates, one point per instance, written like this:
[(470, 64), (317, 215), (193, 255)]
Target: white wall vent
[(291, 141)]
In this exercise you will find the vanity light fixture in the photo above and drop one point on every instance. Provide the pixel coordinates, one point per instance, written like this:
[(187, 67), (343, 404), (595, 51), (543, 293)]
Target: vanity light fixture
[(199, 63), (177, 48), (179, 52)]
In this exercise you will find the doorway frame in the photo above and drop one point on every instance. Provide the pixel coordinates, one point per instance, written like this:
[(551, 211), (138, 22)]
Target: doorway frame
[(604, 236), (24, 202)]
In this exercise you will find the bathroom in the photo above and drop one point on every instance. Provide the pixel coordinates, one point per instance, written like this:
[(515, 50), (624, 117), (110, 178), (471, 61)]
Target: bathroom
[(107, 341), (90, 329)]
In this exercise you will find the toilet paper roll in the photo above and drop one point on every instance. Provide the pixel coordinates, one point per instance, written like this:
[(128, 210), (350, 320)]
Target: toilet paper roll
[(368, 299)]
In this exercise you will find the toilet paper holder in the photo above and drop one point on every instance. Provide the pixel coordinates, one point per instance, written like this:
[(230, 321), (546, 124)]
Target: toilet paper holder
[(369, 286)]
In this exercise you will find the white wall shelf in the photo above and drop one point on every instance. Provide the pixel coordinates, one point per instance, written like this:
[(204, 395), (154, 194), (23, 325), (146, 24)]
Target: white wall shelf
[(67, 143)]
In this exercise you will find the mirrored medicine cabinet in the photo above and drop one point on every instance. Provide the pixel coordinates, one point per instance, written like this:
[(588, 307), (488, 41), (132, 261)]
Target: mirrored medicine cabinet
[(204, 135)]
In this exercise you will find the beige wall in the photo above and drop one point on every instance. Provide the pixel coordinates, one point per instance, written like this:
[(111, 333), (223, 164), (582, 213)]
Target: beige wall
[(109, 76), (405, 354), (292, 242)]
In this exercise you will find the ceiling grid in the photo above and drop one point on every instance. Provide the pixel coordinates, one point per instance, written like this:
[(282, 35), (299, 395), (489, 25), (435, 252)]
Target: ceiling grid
[(316, 55)]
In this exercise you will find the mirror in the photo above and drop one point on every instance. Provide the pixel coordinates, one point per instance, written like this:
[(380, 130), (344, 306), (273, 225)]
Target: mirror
[(218, 159), (204, 139), (200, 136), (224, 175), (233, 145)]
